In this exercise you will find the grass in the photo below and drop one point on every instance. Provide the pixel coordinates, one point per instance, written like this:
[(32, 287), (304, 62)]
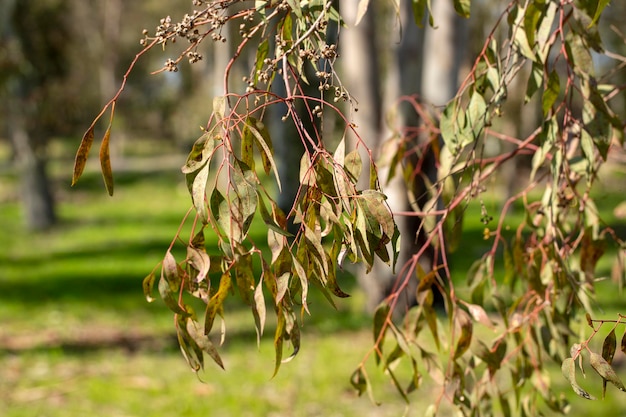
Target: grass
[(77, 337)]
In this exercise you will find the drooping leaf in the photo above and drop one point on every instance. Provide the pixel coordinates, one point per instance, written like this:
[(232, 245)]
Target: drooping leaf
[(359, 380), (331, 279), (535, 81), (264, 142), (204, 342), (220, 211), (623, 343), (82, 153), (601, 6), (477, 114), (353, 164), (198, 193), (259, 310), (304, 282), (170, 271), (247, 146), (269, 220), (169, 297), (245, 278), (105, 160), (278, 339), (200, 153), (551, 93), (465, 339), (200, 261), (216, 302), (148, 286), (420, 9), (608, 351), (569, 372), (605, 370), (188, 346), (261, 54), (462, 7)]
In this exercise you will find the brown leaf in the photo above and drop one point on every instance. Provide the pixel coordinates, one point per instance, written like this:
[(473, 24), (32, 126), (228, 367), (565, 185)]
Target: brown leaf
[(623, 343), (608, 351), (82, 153), (105, 161)]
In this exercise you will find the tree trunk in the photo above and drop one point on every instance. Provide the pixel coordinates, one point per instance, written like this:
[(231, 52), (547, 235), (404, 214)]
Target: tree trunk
[(35, 191)]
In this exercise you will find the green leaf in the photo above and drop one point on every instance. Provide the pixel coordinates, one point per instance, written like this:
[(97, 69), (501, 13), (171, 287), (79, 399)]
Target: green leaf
[(200, 153), (477, 114), (278, 339), (261, 54), (354, 165), (535, 81), (462, 7), (188, 346), (220, 211), (264, 142), (465, 339), (245, 278), (420, 8), (568, 369), (148, 286), (169, 297), (331, 279), (579, 54), (198, 192), (601, 6), (551, 93), (247, 147), (304, 281), (359, 380), (216, 302)]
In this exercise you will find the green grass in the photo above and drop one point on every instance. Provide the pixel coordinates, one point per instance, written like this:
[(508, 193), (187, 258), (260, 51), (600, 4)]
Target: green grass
[(77, 337)]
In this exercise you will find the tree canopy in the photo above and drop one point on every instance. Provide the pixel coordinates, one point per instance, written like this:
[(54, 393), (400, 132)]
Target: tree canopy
[(554, 49)]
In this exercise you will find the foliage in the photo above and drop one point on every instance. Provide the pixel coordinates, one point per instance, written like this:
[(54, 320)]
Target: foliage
[(550, 258)]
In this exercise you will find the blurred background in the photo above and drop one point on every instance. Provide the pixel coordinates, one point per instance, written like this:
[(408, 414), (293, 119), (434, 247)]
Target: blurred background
[(76, 335)]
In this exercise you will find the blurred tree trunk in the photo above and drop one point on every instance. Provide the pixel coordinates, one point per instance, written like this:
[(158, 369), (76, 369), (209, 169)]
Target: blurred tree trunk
[(423, 62), (35, 60), (35, 192), (361, 74)]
